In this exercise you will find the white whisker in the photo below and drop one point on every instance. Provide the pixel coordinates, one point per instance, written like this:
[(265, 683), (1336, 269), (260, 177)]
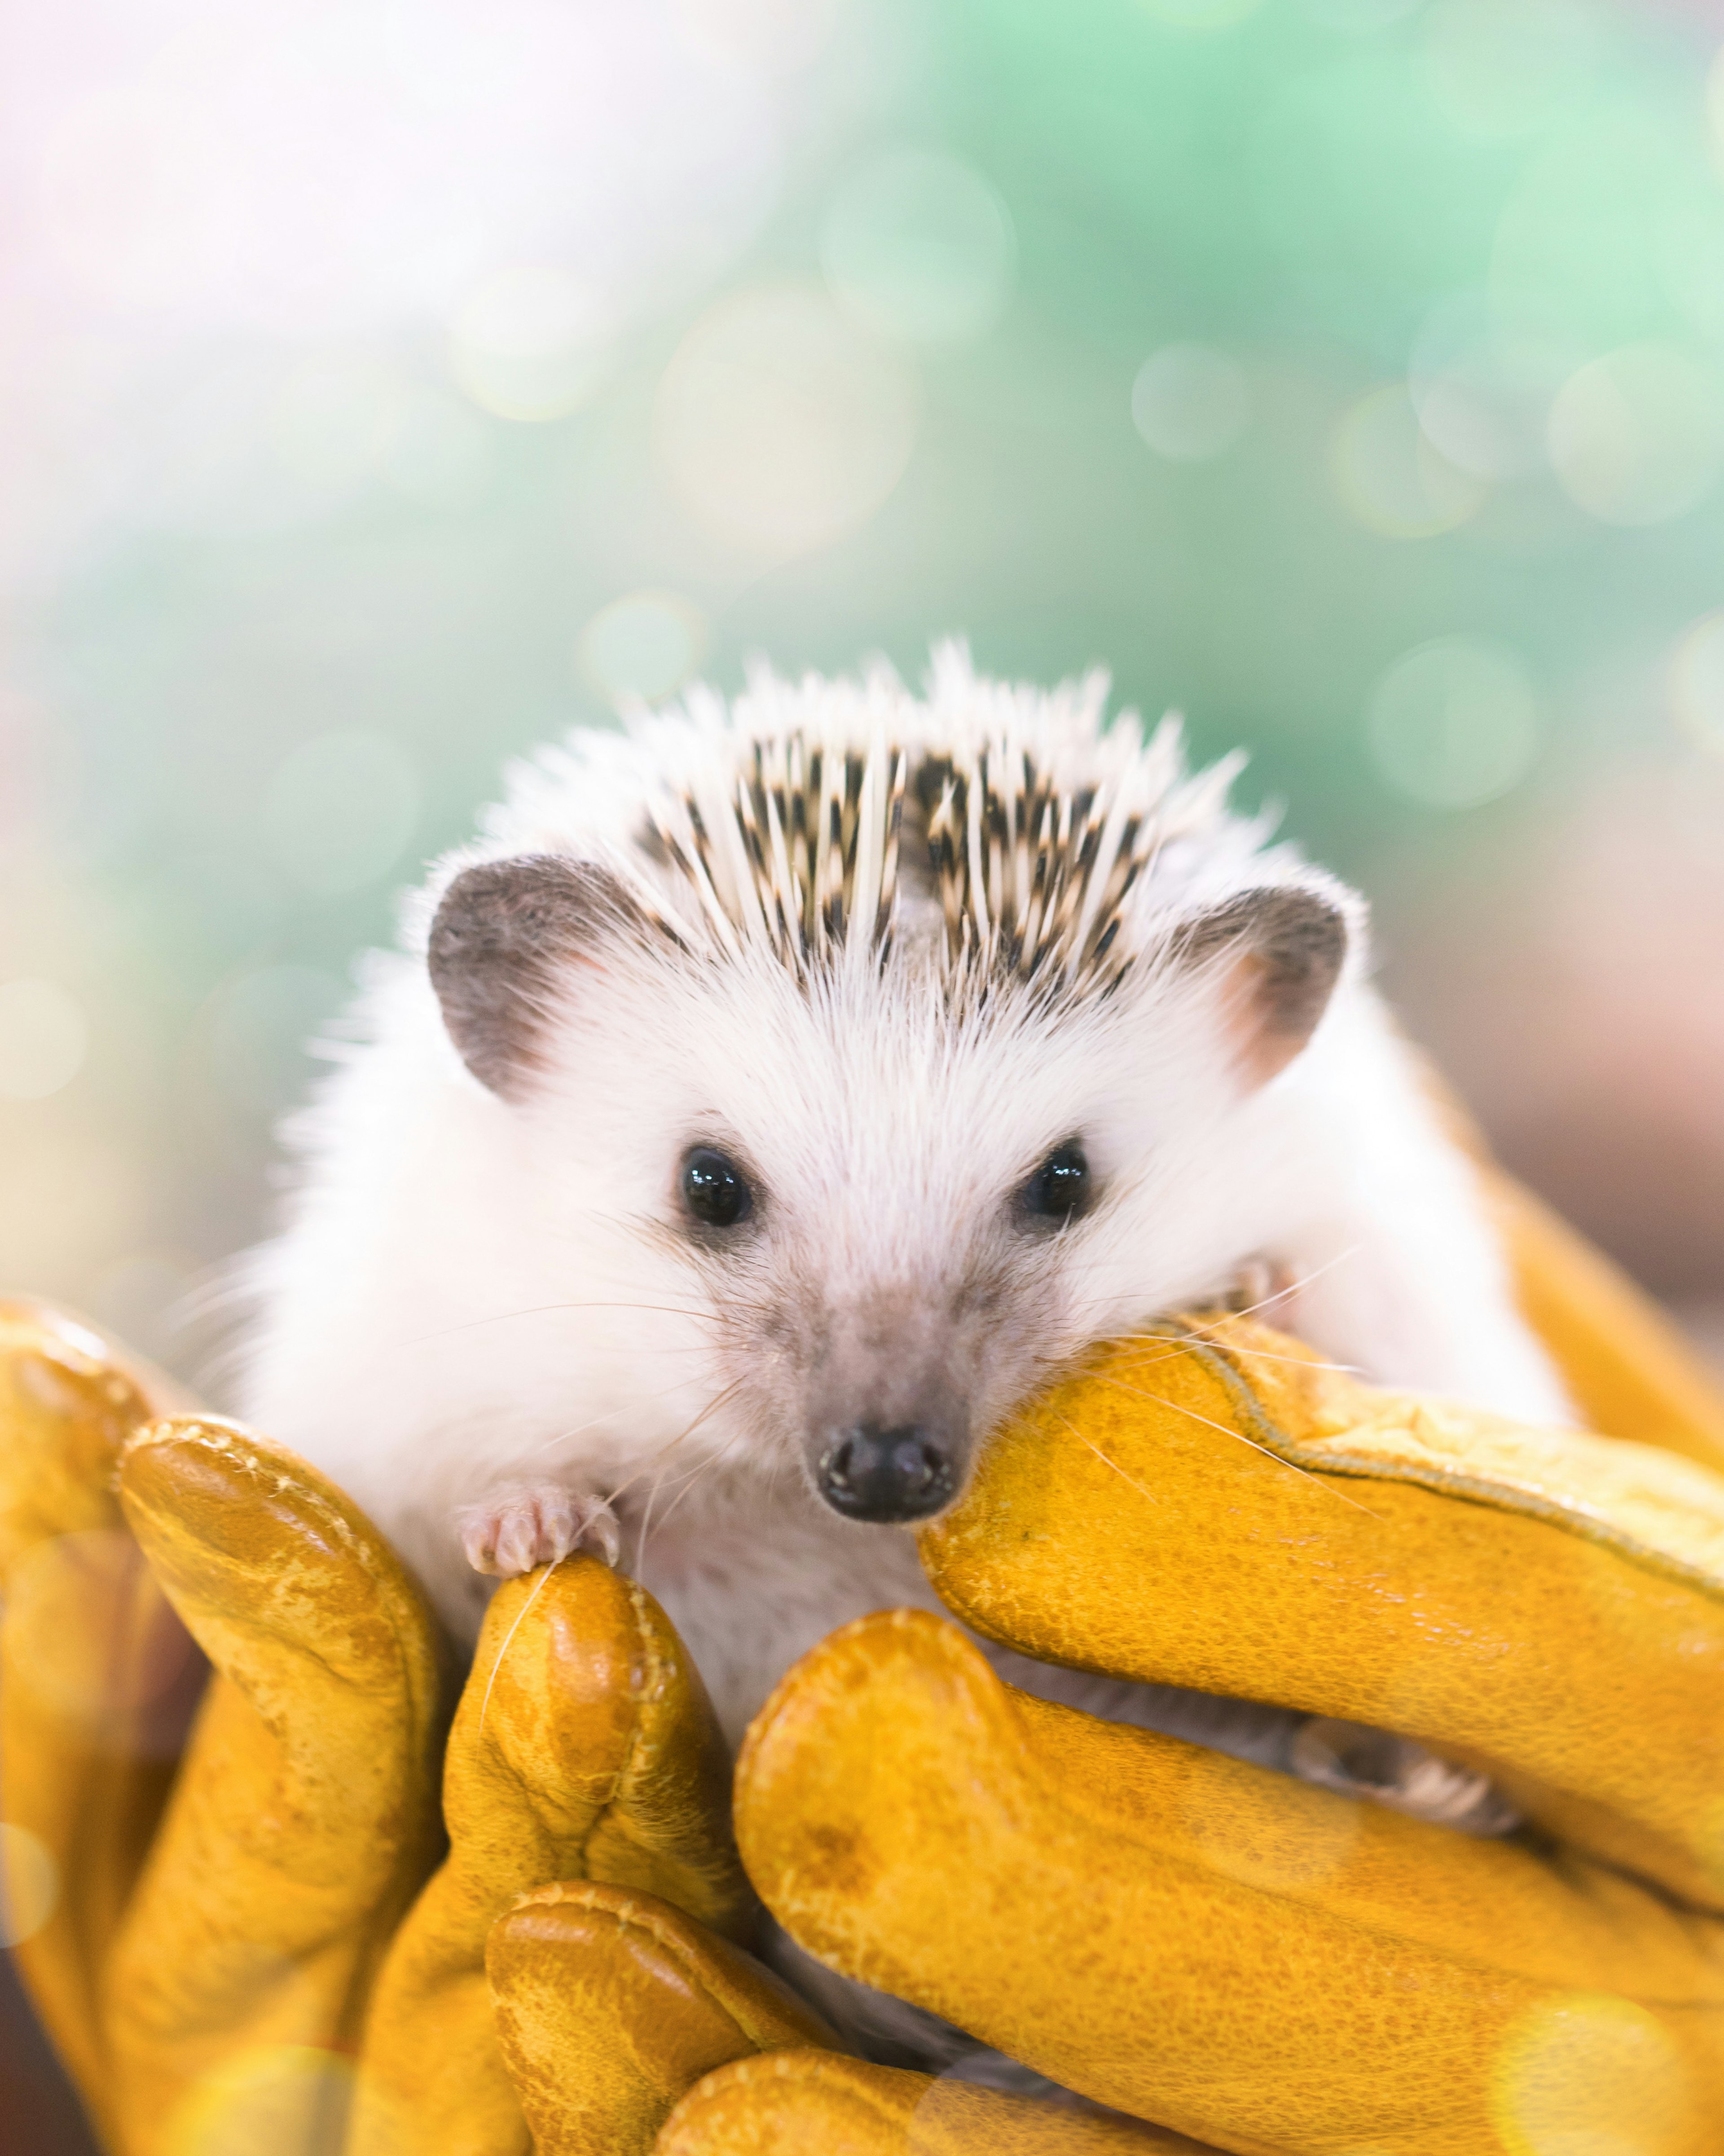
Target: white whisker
[(1177, 1347), (508, 1638), (545, 1309), (627, 1407), (717, 1400), (1105, 1461), (1179, 1408), (705, 1467)]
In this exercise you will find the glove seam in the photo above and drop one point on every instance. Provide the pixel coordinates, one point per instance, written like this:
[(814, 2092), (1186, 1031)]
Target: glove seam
[(1447, 1482)]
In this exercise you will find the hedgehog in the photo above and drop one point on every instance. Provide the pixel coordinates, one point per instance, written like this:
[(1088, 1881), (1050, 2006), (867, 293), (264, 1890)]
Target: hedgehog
[(779, 1091)]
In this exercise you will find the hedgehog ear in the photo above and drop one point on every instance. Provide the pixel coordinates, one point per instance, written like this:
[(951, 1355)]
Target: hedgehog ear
[(502, 943), (1276, 955)]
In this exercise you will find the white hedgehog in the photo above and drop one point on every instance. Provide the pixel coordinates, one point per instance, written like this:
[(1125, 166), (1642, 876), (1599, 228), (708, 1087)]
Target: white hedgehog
[(774, 1095)]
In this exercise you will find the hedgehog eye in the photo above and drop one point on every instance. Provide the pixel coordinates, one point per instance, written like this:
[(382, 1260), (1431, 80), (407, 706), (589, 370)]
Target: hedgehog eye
[(1059, 1188), (714, 1189)]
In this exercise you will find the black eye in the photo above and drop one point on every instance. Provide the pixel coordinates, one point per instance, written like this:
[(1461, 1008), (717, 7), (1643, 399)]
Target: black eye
[(714, 1189), (1059, 1188)]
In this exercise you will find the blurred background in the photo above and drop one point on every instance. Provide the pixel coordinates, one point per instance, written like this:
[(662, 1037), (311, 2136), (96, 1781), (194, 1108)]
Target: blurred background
[(385, 388)]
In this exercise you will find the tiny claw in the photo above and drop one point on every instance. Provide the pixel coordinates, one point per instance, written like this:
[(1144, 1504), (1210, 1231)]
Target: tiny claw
[(600, 1531), (539, 1523)]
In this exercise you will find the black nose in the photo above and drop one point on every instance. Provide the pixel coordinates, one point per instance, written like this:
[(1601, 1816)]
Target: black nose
[(868, 1473)]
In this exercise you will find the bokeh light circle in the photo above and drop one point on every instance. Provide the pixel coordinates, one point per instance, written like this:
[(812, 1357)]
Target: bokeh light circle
[(69, 1597), (1636, 437), (29, 1884), (641, 647), (1506, 67), (265, 2099), (1190, 402), (44, 1038), (1696, 681), (918, 245), (340, 809), (1587, 2075), (1482, 389), (1453, 723), (1468, 428), (1392, 477), (531, 342), (780, 423)]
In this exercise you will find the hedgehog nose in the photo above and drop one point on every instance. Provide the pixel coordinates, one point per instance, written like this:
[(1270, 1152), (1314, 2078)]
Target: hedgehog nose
[(867, 1472)]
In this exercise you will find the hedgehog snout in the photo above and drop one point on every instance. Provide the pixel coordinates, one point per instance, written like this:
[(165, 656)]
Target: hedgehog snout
[(886, 1405), (889, 1473)]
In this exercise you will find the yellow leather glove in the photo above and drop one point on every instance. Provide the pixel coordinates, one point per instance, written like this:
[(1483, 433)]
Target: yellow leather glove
[(93, 1663), (584, 1748), (266, 1959), (609, 2003), (236, 1964), (1275, 1966), (213, 1947), (1265, 1964)]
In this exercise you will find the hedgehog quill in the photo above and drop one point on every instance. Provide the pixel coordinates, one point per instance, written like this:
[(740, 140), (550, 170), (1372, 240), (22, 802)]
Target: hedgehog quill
[(776, 1094)]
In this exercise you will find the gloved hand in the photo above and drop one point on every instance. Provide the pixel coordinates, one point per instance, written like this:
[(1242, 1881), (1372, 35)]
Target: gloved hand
[(96, 1672), (213, 1947), (1265, 1964), (1272, 1966), (1241, 1904), (219, 1954), (272, 1957)]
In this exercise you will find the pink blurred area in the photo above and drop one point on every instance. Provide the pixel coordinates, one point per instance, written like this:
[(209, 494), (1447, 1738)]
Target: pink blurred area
[(1572, 987)]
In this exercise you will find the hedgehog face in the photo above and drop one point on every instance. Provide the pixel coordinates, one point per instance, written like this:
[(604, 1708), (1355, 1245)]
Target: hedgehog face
[(891, 1210), (894, 1173), (875, 1214)]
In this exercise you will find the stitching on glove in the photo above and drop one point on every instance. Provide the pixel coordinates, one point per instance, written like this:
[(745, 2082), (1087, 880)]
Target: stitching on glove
[(1447, 1481)]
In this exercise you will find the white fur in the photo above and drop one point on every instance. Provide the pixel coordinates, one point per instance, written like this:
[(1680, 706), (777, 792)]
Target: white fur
[(472, 1295)]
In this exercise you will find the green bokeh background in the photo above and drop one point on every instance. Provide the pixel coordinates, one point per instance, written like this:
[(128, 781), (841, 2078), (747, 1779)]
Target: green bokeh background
[(1312, 190), (238, 645)]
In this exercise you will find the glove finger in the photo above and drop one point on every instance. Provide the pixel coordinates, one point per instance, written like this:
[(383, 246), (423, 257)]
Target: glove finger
[(99, 1674), (610, 2005), (584, 1748), (793, 2102), (305, 1815), (1214, 1509), (1193, 1939)]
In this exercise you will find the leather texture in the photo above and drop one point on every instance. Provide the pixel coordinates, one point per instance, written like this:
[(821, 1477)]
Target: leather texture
[(306, 1817), (610, 2004), (1254, 1524), (584, 1746), (1547, 1607), (93, 1662), (817, 2104), (287, 1941)]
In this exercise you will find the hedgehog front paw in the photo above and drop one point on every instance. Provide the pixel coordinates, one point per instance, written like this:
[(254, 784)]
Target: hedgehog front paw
[(532, 1523)]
